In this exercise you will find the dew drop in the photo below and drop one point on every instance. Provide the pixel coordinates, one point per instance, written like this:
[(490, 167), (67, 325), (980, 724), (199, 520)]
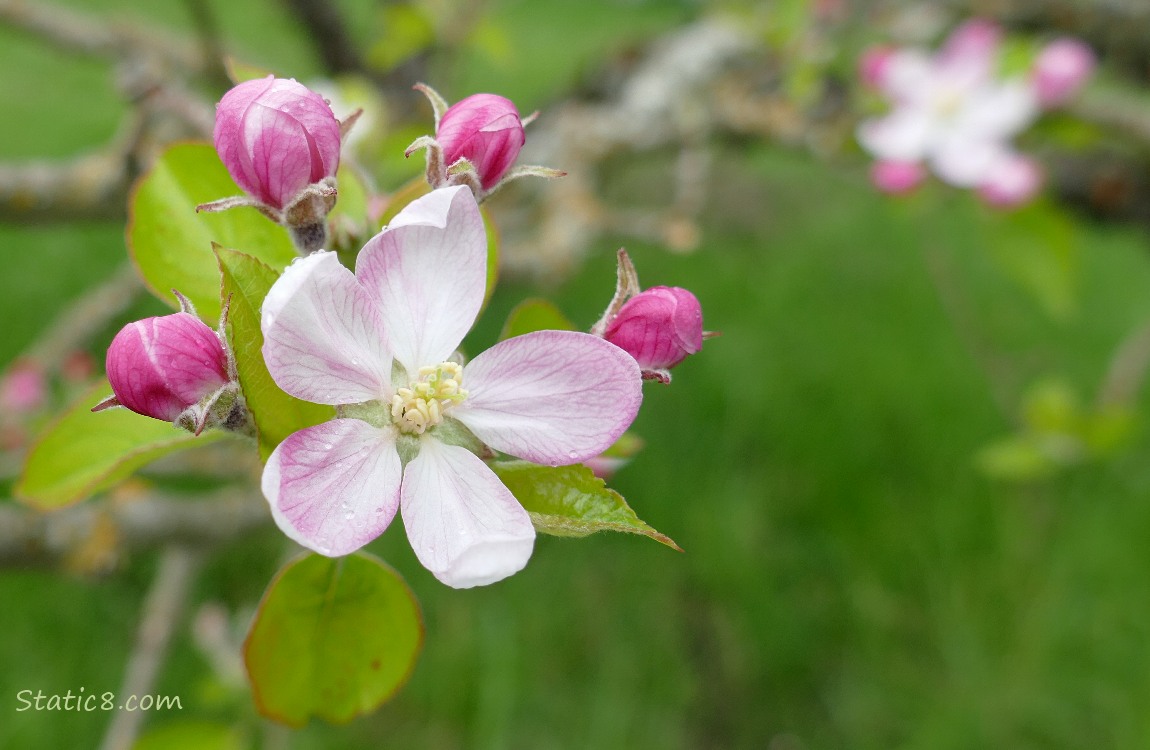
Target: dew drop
[(571, 454)]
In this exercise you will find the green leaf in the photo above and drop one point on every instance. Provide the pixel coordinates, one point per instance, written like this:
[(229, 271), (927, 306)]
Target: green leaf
[(571, 501), (276, 414), (171, 244), (332, 638), (535, 315), (1036, 246), (407, 31), (192, 735), (83, 452), (1018, 458)]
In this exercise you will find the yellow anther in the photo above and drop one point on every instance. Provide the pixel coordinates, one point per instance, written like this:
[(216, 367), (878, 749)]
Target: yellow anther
[(421, 406)]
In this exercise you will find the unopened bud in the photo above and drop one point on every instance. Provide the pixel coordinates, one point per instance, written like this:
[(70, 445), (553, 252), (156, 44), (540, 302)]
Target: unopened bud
[(658, 327), (1014, 181), (896, 177), (276, 137), (484, 129), (1060, 70), (161, 366)]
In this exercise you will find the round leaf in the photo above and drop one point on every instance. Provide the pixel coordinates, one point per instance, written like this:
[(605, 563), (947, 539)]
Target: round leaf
[(171, 244), (333, 638)]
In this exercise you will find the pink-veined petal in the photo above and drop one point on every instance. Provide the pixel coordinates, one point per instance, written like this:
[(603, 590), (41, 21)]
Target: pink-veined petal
[(551, 397), (335, 486), (464, 525), (323, 341), (903, 135), (427, 270)]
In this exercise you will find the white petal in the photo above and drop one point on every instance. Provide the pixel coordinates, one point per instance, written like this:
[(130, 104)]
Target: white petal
[(997, 111), (552, 397), (427, 271), (965, 163), (908, 75), (334, 487), (464, 525), (903, 135), (323, 340)]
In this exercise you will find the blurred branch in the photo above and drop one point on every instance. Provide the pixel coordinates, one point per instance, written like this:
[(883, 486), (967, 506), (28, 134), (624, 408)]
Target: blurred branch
[(29, 538), (83, 319), (329, 34), (162, 608), (84, 33), (152, 74)]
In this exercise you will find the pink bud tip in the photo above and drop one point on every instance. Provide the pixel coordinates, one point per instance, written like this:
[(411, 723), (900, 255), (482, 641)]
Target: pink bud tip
[(896, 177), (874, 65), (974, 40), (486, 130), (658, 327), (276, 137), (1016, 180), (23, 388), (160, 366), (1060, 70)]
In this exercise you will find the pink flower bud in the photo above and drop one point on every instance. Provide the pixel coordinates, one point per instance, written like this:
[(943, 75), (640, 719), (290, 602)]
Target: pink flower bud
[(23, 389), (1012, 182), (874, 65), (974, 42), (1060, 70), (276, 137), (896, 177), (658, 327), (486, 130), (160, 366)]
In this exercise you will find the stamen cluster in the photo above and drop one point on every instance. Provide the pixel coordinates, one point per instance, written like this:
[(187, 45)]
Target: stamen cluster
[(421, 406)]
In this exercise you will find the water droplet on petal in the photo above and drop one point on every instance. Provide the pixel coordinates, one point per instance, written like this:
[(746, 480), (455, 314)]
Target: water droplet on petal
[(571, 454)]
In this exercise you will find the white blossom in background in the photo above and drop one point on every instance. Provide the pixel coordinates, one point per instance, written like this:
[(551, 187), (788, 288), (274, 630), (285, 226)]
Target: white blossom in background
[(954, 113)]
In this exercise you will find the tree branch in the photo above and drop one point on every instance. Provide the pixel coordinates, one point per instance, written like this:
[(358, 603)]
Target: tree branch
[(161, 613), (33, 539)]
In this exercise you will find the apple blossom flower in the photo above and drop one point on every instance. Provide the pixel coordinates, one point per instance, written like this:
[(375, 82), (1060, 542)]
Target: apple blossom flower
[(280, 142), (476, 141), (1060, 70), (176, 369), (659, 327), (380, 345), (949, 109)]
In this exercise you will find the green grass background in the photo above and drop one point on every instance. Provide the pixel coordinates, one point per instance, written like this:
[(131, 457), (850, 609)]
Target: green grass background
[(850, 579)]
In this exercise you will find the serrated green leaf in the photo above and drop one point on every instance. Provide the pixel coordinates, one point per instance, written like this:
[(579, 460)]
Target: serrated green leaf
[(1036, 245), (276, 414), (82, 452), (171, 244), (571, 501), (192, 735), (332, 638), (535, 315)]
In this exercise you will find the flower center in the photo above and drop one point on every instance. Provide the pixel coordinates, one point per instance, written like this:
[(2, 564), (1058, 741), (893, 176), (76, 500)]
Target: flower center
[(420, 407)]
